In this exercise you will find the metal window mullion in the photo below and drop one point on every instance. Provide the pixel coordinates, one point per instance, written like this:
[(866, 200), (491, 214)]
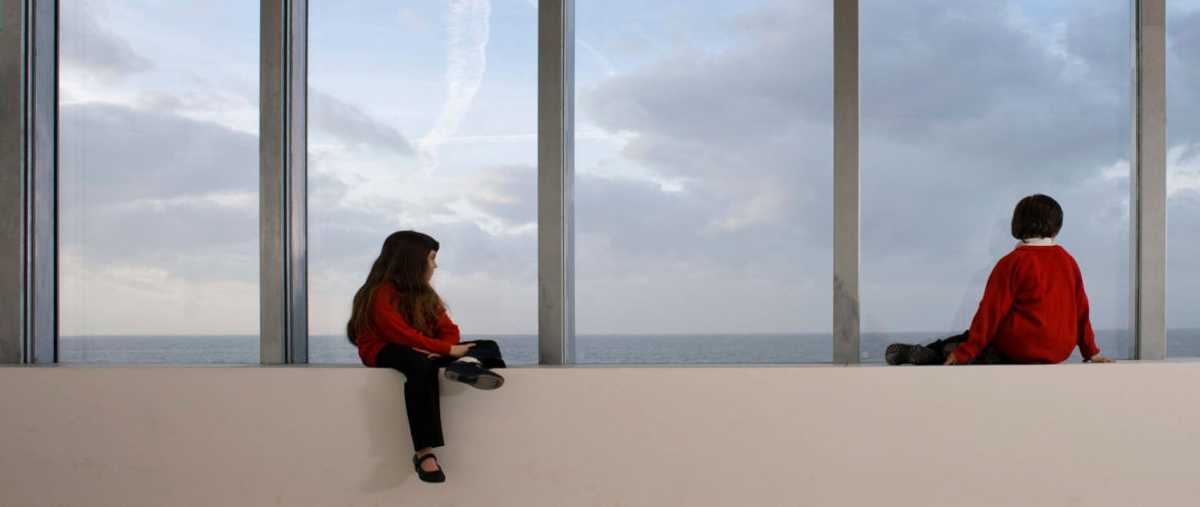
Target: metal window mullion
[(1148, 200), (846, 342), (283, 182), (13, 166), (297, 187), (556, 173), (42, 232), (28, 173)]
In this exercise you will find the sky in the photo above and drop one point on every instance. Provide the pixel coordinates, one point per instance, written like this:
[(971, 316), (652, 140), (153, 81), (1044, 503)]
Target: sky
[(703, 159)]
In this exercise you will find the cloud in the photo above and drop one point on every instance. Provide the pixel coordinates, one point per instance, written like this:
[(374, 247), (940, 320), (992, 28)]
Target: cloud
[(966, 107), (468, 27), (158, 216), (703, 191), (90, 49), (350, 125), (1183, 169), (140, 299), (1183, 165), (118, 154), (1183, 72)]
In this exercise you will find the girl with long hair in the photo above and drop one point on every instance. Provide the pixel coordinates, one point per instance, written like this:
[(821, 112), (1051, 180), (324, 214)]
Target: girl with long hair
[(398, 321)]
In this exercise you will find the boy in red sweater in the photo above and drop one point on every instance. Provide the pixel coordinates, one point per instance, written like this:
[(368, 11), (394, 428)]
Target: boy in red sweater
[(1034, 309)]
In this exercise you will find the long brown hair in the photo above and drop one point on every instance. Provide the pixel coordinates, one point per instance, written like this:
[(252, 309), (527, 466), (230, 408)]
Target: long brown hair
[(404, 263)]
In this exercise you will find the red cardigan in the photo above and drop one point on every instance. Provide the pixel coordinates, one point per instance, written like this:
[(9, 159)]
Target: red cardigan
[(388, 326), (1034, 309)]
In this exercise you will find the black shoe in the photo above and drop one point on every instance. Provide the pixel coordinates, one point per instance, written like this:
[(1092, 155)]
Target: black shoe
[(434, 476), (901, 353), (473, 375)]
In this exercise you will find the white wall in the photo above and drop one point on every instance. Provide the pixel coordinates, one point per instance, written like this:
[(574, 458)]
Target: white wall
[(1125, 434)]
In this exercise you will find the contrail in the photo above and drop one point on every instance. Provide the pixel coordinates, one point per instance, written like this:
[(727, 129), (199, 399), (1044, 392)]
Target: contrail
[(468, 26), (609, 68)]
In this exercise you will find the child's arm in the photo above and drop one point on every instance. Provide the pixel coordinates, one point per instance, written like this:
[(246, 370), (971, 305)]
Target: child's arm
[(1086, 337), (997, 301), (447, 330), (392, 327)]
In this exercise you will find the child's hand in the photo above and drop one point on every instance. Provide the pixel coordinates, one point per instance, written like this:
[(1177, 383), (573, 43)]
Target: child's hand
[(427, 353), (951, 360), (1099, 359), (460, 350)]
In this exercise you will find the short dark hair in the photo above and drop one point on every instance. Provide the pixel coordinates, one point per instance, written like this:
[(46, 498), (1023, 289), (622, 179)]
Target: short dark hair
[(1037, 216)]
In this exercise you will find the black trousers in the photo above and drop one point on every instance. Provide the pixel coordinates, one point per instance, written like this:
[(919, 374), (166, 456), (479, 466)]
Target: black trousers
[(989, 354), (421, 393)]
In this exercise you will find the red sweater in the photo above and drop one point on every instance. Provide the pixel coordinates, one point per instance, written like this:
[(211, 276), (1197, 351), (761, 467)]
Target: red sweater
[(388, 326), (1034, 309)]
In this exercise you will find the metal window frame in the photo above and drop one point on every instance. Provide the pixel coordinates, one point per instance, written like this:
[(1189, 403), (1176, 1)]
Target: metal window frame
[(28, 187), (283, 192), (846, 322), (556, 179), (1148, 177)]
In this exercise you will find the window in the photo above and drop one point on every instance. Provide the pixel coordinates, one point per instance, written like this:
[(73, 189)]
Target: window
[(158, 182), (423, 115), (1183, 178), (703, 182), (966, 107)]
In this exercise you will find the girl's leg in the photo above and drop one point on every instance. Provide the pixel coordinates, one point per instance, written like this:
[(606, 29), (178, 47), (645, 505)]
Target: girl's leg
[(475, 368), (487, 352), (421, 394)]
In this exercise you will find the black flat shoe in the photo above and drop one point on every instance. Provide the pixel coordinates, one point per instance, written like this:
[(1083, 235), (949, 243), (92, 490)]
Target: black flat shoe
[(435, 476), (902, 353), (473, 375)]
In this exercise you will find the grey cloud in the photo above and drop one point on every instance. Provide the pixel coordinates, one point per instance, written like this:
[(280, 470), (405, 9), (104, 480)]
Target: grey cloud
[(508, 193), (963, 113), (943, 163), (132, 187), (629, 43), (625, 226), (86, 46), (1183, 259), (1183, 76), (333, 117), (194, 100), (345, 239), (648, 262), (114, 157), (989, 92), (114, 154)]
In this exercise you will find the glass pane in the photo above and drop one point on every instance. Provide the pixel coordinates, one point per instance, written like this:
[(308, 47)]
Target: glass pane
[(967, 107), (703, 181), (1183, 178), (158, 109), (423, 116)]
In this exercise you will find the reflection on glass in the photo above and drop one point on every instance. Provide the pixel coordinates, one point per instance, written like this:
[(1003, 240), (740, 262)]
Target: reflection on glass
[(423, 116), (1183, 178), (158, 182), (967, 107), (703, 174)]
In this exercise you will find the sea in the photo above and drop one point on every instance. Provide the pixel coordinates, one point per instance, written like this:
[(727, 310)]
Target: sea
[(521, 350)]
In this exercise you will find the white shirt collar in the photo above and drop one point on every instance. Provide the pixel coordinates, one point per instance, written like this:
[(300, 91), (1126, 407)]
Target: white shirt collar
[(1036, 242)]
